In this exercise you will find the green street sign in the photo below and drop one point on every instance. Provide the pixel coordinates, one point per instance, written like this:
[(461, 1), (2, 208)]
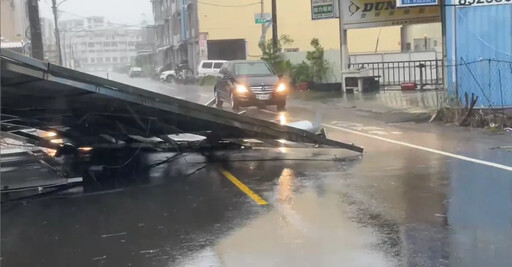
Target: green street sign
[(259, 21), (260, 18)]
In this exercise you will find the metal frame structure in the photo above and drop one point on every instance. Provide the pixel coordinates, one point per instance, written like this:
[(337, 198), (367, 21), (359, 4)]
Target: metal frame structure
[(90, 111)]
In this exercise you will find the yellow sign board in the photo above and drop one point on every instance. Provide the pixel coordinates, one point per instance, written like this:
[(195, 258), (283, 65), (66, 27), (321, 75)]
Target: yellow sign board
[(378, 13)]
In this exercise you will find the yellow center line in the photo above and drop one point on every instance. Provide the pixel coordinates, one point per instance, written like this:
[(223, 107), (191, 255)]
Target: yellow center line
[(244, 188)]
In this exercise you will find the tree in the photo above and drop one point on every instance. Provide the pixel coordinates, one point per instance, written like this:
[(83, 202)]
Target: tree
[(319, 66), (276, 58)]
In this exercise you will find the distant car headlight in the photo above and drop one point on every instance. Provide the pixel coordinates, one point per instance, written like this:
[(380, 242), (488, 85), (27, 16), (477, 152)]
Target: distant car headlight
[(241, 89), (281, 88)]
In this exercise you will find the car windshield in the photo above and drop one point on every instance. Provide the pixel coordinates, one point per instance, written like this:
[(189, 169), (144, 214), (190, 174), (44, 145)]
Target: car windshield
[(252, 69)]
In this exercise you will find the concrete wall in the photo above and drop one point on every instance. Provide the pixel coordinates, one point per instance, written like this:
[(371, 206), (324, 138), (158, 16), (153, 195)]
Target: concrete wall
[(385, 70), (432, 31), (332, 56)]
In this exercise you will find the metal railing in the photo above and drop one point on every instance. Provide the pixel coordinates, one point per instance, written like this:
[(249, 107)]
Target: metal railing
[(394, 73)]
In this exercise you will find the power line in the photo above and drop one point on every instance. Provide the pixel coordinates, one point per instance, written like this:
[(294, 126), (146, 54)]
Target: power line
[(217, 5)]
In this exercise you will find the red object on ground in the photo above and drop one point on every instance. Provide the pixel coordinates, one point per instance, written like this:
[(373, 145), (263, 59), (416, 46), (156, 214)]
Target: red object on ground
[(302, 86), (408, 86)]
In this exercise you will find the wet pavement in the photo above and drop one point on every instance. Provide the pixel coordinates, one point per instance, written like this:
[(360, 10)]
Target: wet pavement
[(421, 195)]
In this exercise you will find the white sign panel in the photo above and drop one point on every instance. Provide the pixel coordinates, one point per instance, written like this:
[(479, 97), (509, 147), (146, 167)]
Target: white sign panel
[(379, 13), (410, 3), (483, 2)]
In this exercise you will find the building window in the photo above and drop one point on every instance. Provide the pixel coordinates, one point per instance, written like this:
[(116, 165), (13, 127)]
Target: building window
[(99, 44), (113, 44), (92, 60), (435, 43), (106, 44), (122, 59), (291, 50), (92, 51), (85, 60), (114, 59), (99, 60), (107, 59), (90, 44)]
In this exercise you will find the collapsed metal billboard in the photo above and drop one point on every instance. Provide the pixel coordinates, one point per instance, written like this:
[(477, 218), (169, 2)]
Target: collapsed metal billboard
[(91, 111)]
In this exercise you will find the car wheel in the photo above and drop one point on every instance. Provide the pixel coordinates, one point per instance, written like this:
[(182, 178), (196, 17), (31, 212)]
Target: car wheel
[(281, 105), (235, 105), (218, 101), (169, 79)]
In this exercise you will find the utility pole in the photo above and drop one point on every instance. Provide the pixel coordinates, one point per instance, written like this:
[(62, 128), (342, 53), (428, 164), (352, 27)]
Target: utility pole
[(57, 32), (274, 26), (262, 11), (36, 38)]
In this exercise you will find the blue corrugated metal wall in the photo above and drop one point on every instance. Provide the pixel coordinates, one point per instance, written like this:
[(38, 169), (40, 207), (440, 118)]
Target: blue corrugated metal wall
[(482, 53)]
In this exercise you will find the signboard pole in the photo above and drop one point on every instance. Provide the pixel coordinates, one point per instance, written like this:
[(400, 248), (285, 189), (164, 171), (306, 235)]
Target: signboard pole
[(343, 40)]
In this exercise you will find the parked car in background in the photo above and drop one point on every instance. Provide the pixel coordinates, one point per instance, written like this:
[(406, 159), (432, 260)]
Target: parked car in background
[(209, 67), (168, 76), (135, 72), (157, 73), (250, 83)]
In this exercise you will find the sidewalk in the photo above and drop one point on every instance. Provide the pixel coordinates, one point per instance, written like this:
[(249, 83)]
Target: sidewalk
[(391, 106)]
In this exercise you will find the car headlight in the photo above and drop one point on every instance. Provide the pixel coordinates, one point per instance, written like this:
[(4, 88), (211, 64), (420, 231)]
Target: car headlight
[(241, 89), (281, 88)]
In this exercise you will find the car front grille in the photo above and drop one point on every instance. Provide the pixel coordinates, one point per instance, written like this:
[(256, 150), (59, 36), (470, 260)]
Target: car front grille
[(265, 89)]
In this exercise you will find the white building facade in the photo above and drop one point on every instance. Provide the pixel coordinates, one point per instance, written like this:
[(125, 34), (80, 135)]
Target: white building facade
[(94, 45)]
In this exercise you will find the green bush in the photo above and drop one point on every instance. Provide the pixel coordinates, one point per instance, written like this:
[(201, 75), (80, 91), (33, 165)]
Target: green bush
[(319, 66), (274, 57), (301, 73)]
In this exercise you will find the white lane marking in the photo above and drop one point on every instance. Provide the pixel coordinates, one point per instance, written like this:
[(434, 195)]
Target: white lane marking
[(448, 154), (367, 128), (205, 95), (242, 112), (378, 132), (268, 111), (396, 132)]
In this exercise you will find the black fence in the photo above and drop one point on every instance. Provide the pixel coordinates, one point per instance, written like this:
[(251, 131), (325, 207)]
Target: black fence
[(394, 73)]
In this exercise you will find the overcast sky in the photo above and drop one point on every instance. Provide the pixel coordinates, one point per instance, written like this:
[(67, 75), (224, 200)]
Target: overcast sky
[(117, 11)]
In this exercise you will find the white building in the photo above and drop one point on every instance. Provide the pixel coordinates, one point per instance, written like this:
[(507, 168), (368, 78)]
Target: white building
[(14, 21), (94, 44)]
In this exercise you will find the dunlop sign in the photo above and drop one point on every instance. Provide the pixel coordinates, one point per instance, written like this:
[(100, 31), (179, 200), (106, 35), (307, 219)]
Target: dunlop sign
[(378, 13), (322, 9)]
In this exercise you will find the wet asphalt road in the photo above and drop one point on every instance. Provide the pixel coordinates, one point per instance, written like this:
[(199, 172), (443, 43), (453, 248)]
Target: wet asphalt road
[(421, 195)]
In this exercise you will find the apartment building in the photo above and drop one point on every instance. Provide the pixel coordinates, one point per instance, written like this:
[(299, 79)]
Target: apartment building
[(94, 44), (176, 32)]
